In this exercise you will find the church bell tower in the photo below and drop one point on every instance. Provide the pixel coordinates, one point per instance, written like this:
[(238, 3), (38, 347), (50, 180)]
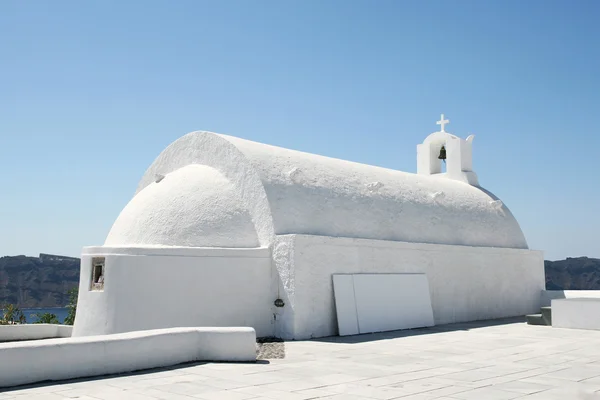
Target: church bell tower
[(443, 147)]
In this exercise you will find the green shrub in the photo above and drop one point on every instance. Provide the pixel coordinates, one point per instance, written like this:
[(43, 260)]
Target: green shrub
[(72, 306), (45, 318), (11, 314)]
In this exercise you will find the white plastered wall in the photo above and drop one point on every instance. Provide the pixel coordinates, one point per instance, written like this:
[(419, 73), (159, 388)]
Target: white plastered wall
[(466, 283), (164, 287)]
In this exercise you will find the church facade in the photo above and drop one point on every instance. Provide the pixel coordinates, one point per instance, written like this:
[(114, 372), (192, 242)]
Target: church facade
[(223, 231)]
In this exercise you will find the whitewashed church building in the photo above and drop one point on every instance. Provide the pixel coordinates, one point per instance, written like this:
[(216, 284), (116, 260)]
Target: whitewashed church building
[(223, 231)]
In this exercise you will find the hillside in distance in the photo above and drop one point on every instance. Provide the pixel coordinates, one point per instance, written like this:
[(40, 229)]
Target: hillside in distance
[(44, 281), (581, 273), (32, 282)]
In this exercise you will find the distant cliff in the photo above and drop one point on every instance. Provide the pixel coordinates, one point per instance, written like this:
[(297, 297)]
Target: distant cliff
[(581, 273), (37, 281), (44, 281)]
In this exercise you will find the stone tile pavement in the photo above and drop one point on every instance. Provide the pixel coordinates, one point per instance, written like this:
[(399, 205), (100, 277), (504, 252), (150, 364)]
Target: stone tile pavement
[(495, 360)]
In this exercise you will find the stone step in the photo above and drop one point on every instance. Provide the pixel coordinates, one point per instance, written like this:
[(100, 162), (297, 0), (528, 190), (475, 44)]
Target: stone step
[(535, 319), (547, 315)]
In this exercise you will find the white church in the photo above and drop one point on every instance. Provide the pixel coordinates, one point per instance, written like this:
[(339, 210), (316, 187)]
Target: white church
[(224, 231)]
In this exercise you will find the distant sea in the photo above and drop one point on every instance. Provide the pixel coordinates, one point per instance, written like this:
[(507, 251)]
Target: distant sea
[(61, 313)]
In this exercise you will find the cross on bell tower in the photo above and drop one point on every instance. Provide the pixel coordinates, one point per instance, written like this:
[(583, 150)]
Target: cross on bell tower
[(442, 122)]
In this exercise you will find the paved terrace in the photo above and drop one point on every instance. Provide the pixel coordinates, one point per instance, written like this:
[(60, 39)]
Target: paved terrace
[(502, 359)]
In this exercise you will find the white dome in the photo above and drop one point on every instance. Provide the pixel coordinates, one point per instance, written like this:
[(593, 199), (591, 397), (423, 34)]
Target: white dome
[(290, 192), (194, 206)]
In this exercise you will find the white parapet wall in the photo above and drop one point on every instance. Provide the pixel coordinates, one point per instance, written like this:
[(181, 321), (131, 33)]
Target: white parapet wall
[(10, 333), (58, 359), (576, 313), (549, 295)]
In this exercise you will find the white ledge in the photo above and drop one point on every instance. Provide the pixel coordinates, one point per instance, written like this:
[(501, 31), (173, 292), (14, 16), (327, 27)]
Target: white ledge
[(549, 295), (10, 333), (59, 359), (136, 250)]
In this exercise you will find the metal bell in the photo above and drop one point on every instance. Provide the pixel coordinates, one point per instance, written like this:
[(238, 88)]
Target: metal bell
[(442, 155)]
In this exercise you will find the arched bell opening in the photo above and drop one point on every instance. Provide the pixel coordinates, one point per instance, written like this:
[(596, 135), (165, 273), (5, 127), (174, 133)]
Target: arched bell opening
[(438, 157), (442, 157)]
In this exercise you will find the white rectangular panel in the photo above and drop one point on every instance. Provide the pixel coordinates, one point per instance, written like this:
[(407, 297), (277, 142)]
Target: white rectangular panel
[(345, 304), (387, 302)]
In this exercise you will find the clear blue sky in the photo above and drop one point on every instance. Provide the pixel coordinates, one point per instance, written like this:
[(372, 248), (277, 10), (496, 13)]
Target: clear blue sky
[(91, 92)]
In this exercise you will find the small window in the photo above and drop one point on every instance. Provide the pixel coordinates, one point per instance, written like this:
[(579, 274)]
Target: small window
[(98, 273)]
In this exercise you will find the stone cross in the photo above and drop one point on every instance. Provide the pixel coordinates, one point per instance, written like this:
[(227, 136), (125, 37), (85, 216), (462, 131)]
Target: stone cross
[(443, 122)]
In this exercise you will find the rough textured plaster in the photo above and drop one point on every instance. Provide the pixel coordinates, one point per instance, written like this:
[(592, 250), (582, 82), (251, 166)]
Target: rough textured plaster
[(331, 197), (288, 191), (193, 206), (209, 149), (466, 283), (283, 262)]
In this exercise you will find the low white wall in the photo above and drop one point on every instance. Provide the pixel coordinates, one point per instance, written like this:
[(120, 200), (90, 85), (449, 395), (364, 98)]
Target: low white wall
[(549, 295), (466, 283), (576, 313), (33, 332), (58, 359), (167, 287)]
